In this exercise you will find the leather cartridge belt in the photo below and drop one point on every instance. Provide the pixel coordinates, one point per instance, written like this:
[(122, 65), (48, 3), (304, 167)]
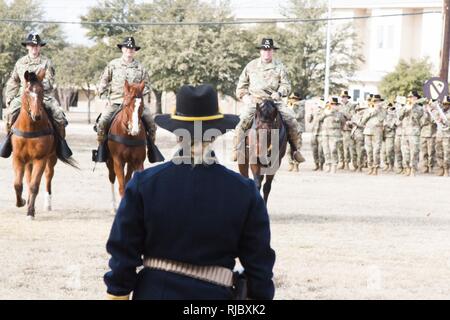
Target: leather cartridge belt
[(214, 274)]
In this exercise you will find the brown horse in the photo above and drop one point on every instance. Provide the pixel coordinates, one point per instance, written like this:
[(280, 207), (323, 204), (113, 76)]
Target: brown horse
[(126, 139), (34, 145), (265, 146)]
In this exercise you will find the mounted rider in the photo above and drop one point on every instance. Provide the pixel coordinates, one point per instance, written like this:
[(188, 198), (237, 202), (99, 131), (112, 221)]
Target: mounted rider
[(265, 78), (32, 62), (111, 87)]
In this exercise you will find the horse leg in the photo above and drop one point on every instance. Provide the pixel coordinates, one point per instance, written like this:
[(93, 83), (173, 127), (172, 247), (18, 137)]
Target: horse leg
[(130, 170), (49, 173), (112, 180), (257, 177), (28, 170), (36, 176), (243, 169), (267, 187), (119, 170), (19, 169)]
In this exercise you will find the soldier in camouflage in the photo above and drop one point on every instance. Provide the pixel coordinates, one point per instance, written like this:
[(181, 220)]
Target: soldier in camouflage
[(111, 85), (15, 86), (389, 127), (357, 135), (412, 113), (265, 78), (400, 102), (333, 122), (298, 107), (372, 121), (316, 138), (443, 138), (427, 140), (347, 108)]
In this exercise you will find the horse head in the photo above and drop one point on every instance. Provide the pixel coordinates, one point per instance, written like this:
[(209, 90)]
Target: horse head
[(33, 95), (133, 106), (266, 119)]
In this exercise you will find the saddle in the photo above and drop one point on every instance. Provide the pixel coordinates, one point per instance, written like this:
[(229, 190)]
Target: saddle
[(101, 154), (63, 151)]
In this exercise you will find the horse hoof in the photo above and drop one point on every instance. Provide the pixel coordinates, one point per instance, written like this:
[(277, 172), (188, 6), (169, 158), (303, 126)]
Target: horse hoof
[(21, 203), (30, 217)]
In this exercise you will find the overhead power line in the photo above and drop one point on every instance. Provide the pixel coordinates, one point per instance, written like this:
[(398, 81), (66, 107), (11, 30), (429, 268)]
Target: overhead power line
[(208, 23)]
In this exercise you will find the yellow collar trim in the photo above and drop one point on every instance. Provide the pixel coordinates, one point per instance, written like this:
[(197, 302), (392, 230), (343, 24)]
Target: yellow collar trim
[(205, 118)]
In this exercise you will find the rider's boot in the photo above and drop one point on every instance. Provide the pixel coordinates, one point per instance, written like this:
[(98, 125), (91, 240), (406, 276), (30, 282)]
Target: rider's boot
[(294, 141)]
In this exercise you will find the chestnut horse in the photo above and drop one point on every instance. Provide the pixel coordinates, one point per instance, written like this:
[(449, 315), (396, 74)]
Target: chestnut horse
[(33, 143), (265, 146), (127, 139)]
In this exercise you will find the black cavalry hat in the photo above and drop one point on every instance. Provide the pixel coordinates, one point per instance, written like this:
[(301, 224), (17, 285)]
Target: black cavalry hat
[(344, 93), (446, 100), (129, 42), (267, 43), (376, 98), (33, 39), (414, 93), (194, 104)]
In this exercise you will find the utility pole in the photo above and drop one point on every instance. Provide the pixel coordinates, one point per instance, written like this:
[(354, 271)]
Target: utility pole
[(327, 58), (445, 50)]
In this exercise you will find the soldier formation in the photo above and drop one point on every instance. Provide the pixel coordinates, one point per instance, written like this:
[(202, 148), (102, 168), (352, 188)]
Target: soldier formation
[(402, 134), (410, 133)]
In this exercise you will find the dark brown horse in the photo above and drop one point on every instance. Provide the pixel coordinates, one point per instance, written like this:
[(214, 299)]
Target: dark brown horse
[(265, 146), (34, 145), (127, 139)]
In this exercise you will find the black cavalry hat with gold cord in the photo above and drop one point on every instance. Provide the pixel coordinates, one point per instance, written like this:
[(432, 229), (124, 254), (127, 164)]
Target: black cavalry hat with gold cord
[(33, 39), (194, 104), (129, 42)]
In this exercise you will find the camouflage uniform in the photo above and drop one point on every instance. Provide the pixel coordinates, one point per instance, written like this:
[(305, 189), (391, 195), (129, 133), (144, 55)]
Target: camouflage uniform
[(398, 142), (111, 88), (16, 85), (373, 119), (443, 145), (427, 141), (389, 127), (411, 127), (316, 138), (332, 123), (349, 148), (260, 80), (358, 136), (298, 107)]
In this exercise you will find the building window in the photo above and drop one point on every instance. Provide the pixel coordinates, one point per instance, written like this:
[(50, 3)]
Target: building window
[(385, 37), (356, 94)]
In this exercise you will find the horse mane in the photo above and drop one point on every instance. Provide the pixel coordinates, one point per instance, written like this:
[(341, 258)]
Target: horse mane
[(32, 77), (266, 108)]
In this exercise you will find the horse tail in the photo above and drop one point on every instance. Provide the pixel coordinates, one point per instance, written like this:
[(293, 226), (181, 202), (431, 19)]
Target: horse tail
[(69, 161), (64, 154)]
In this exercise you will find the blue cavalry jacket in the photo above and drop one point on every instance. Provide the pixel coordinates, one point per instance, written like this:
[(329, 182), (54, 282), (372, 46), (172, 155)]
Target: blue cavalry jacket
[(201, 215)]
